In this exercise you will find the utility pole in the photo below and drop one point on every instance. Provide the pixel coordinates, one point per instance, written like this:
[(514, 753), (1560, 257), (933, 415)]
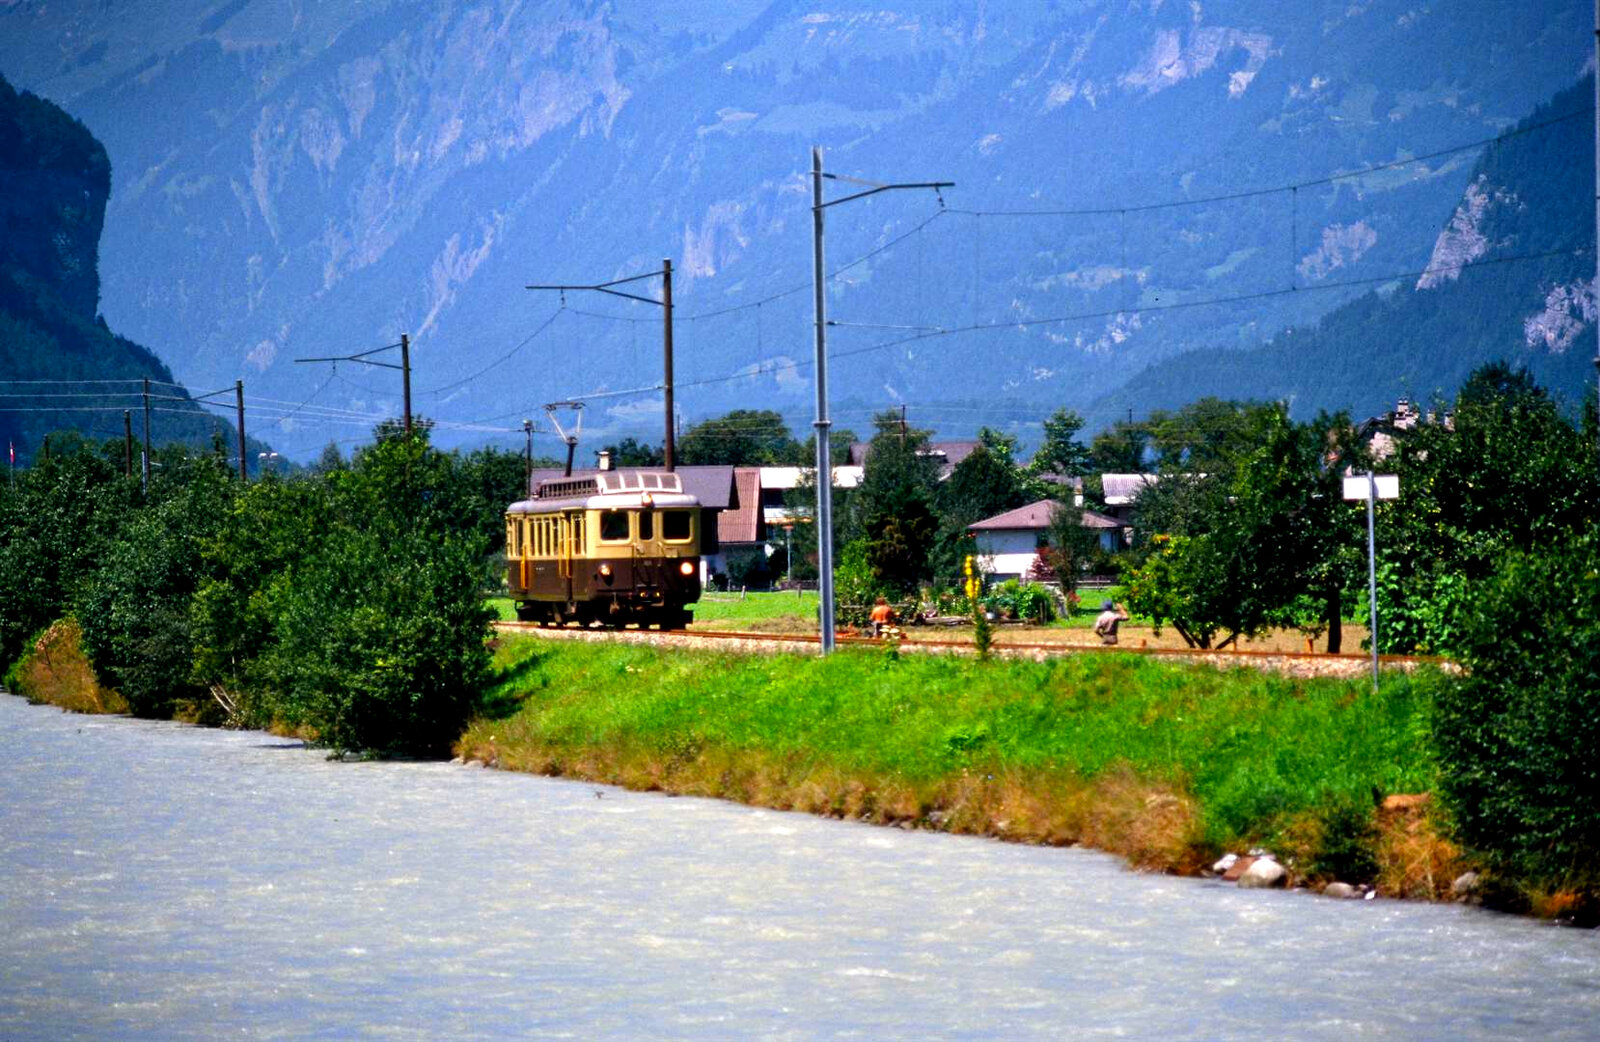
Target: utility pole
[(363, 358), (822, 423), (668, 457), (1596, 289), (405, 377), (527, 470), (667, 447), (127, 442), (146, 434), (238, 393)]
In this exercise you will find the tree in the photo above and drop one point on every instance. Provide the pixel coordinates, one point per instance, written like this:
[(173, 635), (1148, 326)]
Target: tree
[(135, 612), (1119, 449), (1518, 730), (1062, 452), (982, 485), (893, 508), (1261, 539), (741, 438), (630, 452), (1507, 472)]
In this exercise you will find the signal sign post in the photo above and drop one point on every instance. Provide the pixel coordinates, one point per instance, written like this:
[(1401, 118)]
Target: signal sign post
[(1372, 487)]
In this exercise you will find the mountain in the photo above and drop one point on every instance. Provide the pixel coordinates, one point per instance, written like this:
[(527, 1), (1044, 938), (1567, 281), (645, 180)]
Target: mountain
[(61, 368), (313, 180), (1511, 277)]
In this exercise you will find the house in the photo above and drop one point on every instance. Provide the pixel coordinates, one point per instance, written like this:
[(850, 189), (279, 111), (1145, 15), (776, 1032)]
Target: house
[(1121, 490), (1379, 433), (1009, 543), (948, 454)]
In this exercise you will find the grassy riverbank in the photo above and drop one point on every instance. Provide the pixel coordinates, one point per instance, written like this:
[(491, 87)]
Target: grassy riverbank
[(1164, 764)]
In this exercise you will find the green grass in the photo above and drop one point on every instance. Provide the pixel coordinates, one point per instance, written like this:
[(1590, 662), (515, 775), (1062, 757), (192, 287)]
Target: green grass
[(1252, 750), (724, 608)]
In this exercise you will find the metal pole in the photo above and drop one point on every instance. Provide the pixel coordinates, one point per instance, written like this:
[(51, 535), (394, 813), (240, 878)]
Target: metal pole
[(821, 424), (1597, 214), (1372, 576), (147, 433), (669, 457), (238, 398), (405, 376), (527, 469), (127, 442)]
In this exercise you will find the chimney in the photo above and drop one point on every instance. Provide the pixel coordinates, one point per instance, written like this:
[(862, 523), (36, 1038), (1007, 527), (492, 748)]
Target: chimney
[(605, 459)]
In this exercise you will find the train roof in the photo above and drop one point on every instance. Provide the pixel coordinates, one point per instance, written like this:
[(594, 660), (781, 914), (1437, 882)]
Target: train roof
[(615, 489)]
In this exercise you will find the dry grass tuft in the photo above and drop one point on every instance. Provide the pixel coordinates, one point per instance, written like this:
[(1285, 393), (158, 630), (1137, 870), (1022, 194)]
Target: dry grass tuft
[(1415, 858)]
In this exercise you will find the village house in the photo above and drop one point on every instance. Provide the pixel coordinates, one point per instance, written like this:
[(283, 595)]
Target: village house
[(1009, 543)]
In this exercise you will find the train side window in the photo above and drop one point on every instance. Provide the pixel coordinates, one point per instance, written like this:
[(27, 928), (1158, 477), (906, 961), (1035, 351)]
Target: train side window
[(511, 528), (675, 526), (578, 548), (613, 526), (647, 525)]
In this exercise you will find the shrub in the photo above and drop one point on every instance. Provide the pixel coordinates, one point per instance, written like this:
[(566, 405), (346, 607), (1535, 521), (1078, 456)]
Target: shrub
[(1518, 733)]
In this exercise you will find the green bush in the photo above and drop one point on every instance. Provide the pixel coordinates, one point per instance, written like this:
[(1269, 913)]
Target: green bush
[(1518, 733), (1015, 600)]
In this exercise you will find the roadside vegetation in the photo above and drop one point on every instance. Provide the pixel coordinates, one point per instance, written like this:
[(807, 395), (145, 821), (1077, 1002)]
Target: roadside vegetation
[(343, 604), (1167, 765)]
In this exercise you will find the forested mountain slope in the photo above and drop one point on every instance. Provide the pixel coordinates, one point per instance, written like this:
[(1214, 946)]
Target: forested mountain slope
[(61, 368), (1510, 277)]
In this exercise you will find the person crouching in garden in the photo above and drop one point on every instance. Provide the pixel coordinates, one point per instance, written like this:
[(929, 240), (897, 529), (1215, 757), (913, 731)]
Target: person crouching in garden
[(1106, 624), (882, 615)]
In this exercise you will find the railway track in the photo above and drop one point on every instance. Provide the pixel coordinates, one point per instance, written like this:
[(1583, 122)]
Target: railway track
[(1297, 663)]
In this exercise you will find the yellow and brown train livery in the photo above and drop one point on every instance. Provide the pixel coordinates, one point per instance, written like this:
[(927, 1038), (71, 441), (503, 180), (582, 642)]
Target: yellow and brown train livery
[(613, 548)]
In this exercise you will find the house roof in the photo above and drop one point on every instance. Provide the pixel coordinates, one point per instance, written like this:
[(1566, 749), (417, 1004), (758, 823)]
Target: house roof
[(711, 485), (1035, 517), (741, 522), (785, 478), (1122, 489)]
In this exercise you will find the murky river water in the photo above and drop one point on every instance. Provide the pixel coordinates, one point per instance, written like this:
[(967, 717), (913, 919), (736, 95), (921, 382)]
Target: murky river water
[(165, 882)]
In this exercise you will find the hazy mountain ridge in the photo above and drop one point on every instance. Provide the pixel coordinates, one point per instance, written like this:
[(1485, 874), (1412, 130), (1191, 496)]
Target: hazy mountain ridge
[(1511, 277), (54, 178), (314, 181)]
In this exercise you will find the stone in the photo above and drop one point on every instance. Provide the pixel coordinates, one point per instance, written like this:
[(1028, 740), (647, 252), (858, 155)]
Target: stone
[(1240, 865), (1343, 891), (1263, 873), (1466, 884), (1224, 863)]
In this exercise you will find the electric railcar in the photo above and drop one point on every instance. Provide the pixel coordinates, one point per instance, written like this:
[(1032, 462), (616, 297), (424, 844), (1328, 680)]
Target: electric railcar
[(613, 548)]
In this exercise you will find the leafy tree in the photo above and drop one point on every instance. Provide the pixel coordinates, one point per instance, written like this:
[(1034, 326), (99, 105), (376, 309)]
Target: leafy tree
[(1261, 539), (1061, 451), (1518, 731), (1509, 472), (742, 438), (1119, 449), (135, 612), (630, 452), (894, 507), (55, 526), (982, 485)]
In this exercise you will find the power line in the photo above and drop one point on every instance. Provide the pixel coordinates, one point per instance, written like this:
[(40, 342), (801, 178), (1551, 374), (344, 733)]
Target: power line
[(1105, 211)]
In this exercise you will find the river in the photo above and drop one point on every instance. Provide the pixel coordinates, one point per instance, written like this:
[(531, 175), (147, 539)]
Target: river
[(159, 881)]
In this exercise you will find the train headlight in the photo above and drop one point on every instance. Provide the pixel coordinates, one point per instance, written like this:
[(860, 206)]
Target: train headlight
[(687, 568), (605, 571), (646, 499)]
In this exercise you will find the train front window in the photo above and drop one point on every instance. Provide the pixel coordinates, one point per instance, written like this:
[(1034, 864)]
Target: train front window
[(613, 526), (647, 526), (676, 526)]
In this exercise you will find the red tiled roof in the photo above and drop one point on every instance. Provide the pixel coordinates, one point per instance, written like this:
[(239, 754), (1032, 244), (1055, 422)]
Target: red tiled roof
[(741, 521), (1036, 517)]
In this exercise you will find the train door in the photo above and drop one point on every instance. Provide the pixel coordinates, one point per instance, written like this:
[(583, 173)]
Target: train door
[(572, 549)]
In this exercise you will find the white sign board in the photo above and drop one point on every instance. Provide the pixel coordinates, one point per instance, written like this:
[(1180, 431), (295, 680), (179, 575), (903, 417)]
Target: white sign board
[(1388, 486)]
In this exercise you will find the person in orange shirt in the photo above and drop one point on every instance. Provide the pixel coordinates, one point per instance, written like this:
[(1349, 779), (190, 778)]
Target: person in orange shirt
[(882, 615)]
